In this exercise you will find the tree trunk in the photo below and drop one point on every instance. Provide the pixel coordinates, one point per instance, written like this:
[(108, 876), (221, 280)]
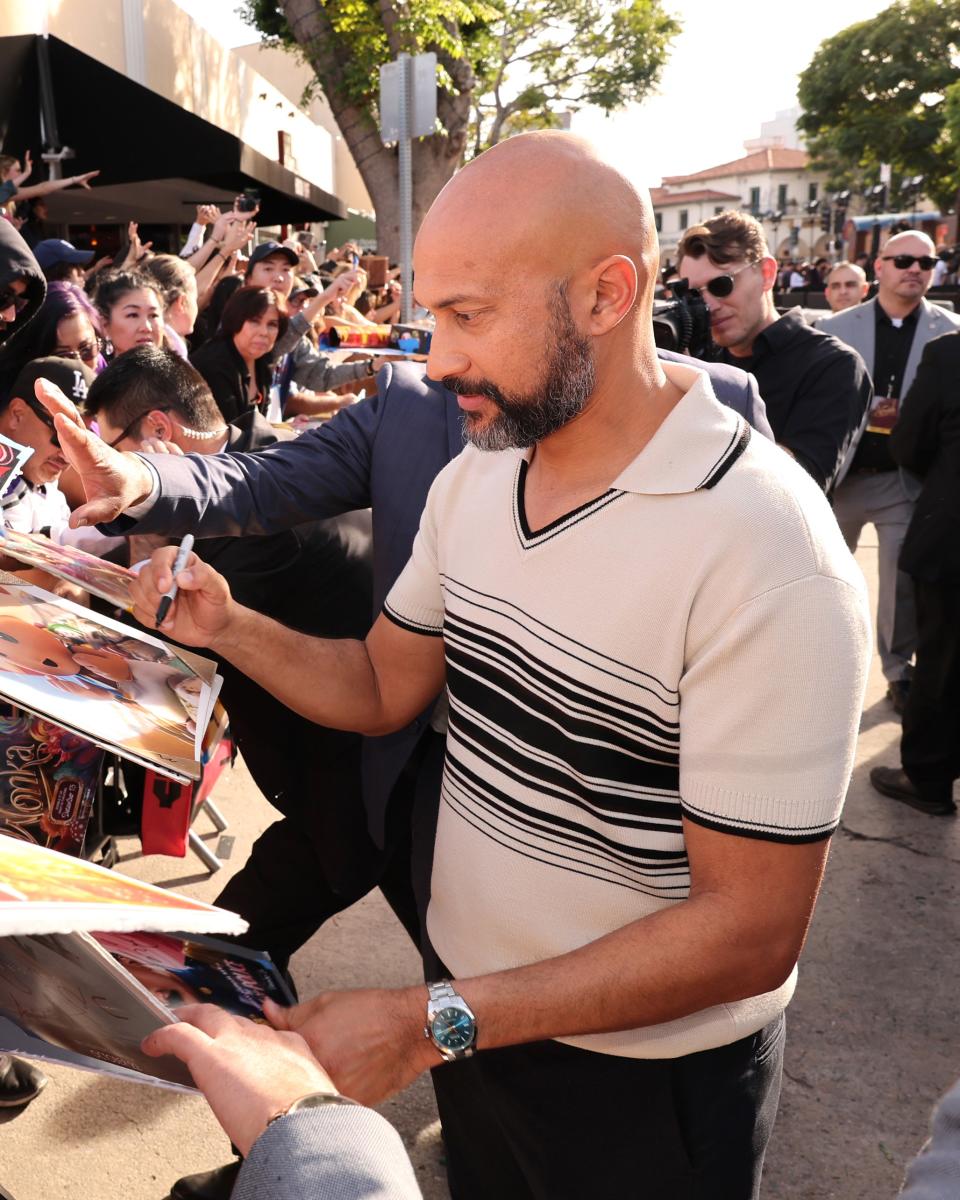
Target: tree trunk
[(434, 159)]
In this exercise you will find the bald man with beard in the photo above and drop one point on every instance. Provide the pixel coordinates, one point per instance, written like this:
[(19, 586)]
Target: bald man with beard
[(654, 644)]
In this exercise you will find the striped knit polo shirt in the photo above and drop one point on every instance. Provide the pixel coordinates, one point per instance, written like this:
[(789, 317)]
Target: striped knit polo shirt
[(691, 645)]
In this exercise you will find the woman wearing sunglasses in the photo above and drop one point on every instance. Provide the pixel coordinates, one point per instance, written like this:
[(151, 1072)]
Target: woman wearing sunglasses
[(66, 326)]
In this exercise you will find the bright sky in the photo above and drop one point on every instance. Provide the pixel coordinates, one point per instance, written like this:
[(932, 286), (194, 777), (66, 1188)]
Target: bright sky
[(734, 66)]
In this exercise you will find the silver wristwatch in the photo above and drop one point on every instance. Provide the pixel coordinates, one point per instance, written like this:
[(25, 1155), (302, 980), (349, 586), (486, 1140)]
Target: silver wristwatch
[(451, 1024)]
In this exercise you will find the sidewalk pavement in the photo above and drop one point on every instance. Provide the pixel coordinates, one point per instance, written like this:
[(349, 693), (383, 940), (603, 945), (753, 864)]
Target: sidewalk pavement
[(872, 1038)]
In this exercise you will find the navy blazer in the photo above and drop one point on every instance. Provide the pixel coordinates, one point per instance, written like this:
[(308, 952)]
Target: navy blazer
[(383, 453)]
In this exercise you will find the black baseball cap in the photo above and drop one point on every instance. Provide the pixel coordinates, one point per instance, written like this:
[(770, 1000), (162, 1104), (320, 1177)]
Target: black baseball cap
[(265, 249), (305, 285), (55, 250), (72, 376)]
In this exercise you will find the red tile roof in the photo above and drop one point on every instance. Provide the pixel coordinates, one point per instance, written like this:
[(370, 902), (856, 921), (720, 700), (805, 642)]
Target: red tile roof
[(773, 159), (663, 198)]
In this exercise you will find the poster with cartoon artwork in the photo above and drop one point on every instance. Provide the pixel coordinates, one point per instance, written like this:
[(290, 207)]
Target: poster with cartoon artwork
[(43, 891), (48, 780), (107, 580), (12, 458), (116, 685)]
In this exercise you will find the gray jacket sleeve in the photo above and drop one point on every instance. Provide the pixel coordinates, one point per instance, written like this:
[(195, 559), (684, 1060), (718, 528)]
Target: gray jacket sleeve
[(337, 1152), (313, 370), (935, 1173)]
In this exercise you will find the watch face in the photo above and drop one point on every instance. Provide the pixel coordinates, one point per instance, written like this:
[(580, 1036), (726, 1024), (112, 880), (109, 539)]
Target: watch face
[(453, 1029)]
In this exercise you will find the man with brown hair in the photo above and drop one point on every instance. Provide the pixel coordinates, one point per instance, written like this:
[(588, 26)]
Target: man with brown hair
[(815, 388)]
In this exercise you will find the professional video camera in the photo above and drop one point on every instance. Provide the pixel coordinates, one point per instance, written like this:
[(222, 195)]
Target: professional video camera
[(683, 323)]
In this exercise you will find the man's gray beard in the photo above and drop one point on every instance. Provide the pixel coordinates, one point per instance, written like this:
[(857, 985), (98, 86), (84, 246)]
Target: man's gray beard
[(522, 421)]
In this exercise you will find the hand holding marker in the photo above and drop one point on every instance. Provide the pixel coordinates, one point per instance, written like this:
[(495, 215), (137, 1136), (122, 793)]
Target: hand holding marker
[(178, 564)]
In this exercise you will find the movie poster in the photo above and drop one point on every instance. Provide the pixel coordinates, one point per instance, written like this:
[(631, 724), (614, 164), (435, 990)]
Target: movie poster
[(48, 781), (120, 687), (107, 580)]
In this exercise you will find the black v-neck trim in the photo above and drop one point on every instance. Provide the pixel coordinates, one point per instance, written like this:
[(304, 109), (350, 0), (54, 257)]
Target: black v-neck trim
[(531, 535)]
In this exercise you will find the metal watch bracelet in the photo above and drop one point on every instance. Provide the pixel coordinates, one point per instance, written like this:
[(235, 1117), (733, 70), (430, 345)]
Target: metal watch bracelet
[(313, 1100)]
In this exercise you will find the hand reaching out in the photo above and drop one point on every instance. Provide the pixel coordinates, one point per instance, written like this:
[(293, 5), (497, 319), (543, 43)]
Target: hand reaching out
[(239, 233), (111, 481), (370, 1041), (247, 1072), (27, 171)]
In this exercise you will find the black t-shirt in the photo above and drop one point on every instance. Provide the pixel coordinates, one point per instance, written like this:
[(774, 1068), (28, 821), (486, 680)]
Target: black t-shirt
[(816, 390), (894, 339)]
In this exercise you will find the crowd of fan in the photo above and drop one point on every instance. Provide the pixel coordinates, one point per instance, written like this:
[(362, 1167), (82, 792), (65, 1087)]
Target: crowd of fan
[(115, 337)]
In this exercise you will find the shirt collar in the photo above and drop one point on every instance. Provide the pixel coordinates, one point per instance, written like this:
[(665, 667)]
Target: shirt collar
[(779, 334), (695, 445), (909, 319)]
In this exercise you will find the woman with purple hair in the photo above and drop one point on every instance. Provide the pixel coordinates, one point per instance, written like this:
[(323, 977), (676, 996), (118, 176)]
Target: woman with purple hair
[(67, 325)]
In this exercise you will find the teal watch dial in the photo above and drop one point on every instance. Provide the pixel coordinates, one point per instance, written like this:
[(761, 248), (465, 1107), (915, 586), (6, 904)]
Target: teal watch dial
[(453, 1029)]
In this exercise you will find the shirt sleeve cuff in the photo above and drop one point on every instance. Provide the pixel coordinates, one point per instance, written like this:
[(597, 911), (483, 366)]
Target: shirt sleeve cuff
[(136, 511)]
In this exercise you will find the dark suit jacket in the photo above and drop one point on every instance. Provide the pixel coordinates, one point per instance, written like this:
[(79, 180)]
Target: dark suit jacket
[(383, 453), (926, 441), (314, 577)]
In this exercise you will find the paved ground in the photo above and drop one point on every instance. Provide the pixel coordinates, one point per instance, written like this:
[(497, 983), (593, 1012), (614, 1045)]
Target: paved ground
[(872, 1030)]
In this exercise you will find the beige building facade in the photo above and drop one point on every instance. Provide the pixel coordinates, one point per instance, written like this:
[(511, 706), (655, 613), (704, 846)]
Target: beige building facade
[(211, 105)]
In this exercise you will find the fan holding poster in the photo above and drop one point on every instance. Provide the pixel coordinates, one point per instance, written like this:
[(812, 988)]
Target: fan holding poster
[(152, 704), (12, 458)]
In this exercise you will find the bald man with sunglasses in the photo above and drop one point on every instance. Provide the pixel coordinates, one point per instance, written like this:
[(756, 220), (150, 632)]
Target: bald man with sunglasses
[(816, 390), (890, 332)]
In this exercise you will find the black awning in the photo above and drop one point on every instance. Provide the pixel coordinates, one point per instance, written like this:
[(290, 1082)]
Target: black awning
[(133, 135)]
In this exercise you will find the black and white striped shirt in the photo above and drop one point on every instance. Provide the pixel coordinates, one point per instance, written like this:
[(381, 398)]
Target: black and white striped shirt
[(691, 645)]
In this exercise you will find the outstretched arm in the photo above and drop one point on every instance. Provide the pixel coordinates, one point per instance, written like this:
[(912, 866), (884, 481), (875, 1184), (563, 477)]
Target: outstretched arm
[(54, 185), (373, 687), (249, 1074), (320, 474)]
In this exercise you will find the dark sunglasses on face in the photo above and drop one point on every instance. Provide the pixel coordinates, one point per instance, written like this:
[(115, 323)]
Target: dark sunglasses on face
[(39, 411), (87, 352), (903, 261), (11, 299), (720, 286)]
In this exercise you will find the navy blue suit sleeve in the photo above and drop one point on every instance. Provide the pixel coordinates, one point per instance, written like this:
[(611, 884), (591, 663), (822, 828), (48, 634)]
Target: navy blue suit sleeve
[(322, 473)]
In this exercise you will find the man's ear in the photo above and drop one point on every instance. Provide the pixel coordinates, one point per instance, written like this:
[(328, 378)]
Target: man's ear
[(613, 287), (15, 412), (769, 270), (157, 424)]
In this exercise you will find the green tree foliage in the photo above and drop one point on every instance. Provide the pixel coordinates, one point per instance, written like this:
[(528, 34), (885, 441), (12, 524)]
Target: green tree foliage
[(538, 59), (884, 90), (503, 67)]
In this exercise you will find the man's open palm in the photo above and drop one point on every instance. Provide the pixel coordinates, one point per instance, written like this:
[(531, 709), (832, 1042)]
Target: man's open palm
[(112, 481)]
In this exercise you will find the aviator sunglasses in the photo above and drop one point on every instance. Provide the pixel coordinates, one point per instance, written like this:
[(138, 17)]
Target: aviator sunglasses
[(903, 261), (720, 286)]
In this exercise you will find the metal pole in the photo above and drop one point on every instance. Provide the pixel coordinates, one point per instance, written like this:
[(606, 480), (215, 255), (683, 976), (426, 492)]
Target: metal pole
[(406, 186)]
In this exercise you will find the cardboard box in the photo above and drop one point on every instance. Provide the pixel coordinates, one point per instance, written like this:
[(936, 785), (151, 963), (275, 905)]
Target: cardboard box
[(423, 337), (376, 267)]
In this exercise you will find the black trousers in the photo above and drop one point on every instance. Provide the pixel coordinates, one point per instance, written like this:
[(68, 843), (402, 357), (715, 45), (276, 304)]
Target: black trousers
[(295, 878), (547, 1121), (930, 745)]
